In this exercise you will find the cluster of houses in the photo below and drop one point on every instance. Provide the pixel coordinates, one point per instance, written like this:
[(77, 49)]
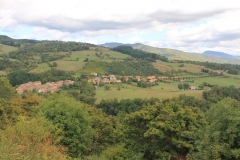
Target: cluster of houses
[(111, 78), (49, 87), (104, 79)]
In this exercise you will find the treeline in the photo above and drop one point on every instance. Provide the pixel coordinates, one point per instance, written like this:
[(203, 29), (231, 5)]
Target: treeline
[(82, 91), (27, 45), (124, 106), (54, 46), (139, 54), (218, 93), (21, 76), (15, 42), (134, 68), (27, 52), (5, 63), (145, 84)]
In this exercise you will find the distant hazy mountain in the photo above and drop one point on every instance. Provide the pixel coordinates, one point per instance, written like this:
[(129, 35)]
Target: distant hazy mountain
[(221, 54), (180, 55), (115, 44)]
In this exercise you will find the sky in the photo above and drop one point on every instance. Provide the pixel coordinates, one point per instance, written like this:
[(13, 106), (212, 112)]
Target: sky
[(186, 25)]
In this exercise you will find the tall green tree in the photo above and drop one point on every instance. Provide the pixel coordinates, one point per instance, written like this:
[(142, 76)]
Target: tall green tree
[(180, 86), (54, 64), (105, 130), (6, 89), (165, 130), (220, 139), (73, 118), (186, 86)]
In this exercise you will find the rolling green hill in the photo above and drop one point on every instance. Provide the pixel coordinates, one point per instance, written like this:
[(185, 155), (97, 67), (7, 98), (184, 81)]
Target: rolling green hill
[(75, 61), (179, 55)]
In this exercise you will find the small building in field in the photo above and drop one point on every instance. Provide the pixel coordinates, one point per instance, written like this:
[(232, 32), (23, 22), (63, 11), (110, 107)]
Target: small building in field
[(192, 88)]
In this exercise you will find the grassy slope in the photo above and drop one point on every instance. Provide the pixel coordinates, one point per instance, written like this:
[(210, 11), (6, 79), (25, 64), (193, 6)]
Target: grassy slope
[(4, 49), (137, 92), (166, 66), (179, 55), (221, 81), (71, 64)]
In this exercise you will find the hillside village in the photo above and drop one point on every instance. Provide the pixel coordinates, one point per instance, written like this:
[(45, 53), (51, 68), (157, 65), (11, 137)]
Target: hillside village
[(49, 87), (96, 80)]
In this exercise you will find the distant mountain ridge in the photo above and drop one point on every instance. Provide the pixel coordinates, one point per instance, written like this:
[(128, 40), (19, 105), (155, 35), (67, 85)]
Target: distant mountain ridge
[(115, 44), (221, 54), (211, 56)]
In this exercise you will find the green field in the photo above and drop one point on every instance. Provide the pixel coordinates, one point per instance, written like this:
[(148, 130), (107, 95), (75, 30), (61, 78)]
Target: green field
[(41, 68), (221, 81), (70, 65), (162, 91), (232, 76), (163, 67), (4, 49), (192, 68)]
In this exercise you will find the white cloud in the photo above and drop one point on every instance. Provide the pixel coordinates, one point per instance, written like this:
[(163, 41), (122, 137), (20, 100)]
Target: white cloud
[(221, 32), (49, 34), (189, 25), (134, 39), (107, 15)]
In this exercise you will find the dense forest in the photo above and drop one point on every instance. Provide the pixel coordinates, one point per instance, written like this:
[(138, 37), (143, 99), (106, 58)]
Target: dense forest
[(57, 126), (53, 75), (139, 54)]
